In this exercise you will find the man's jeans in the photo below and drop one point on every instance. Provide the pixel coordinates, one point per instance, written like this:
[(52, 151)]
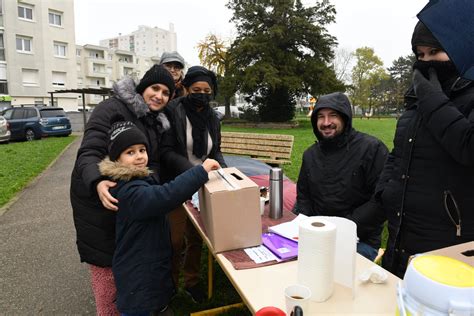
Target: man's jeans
[(366, 251)]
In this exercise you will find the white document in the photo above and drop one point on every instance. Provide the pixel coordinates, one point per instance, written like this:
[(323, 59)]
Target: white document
[(290, 229), (260, 254)]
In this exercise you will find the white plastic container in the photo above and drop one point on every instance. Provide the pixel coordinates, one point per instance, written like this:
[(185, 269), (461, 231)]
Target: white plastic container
[(436, 285)]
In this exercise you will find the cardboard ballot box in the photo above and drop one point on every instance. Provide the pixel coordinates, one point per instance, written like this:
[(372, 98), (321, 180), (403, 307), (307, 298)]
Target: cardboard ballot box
[(462, 252), (229, 204)]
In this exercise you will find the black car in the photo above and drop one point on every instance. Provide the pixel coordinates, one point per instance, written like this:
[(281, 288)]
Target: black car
[(28, 123)]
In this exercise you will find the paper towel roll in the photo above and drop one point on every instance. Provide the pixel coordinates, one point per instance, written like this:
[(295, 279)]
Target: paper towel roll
[(316, 255)]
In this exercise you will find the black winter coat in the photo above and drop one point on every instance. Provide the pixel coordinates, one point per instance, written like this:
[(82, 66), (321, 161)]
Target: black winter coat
[(429, 177), (339, 179), (142, 259), (173, 153), (95, 225)]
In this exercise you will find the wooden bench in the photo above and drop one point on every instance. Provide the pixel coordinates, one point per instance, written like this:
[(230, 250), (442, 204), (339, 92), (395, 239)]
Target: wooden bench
[(273, 149)]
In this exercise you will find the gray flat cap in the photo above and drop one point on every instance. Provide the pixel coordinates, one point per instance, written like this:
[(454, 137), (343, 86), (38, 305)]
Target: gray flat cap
[(174, 56)]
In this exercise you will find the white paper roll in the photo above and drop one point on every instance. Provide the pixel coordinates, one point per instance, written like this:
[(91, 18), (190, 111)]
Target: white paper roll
[(316, 255)]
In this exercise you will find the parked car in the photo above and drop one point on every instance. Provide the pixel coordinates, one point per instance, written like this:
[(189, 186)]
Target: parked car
[(234, 111), (28, 123), (4, 130)]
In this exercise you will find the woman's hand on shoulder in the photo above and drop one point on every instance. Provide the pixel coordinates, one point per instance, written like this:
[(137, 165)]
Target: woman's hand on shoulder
[(210, 164), (108, 201)]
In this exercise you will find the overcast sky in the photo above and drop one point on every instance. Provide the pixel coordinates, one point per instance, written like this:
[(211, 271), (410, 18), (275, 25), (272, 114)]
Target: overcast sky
[(384, 25)]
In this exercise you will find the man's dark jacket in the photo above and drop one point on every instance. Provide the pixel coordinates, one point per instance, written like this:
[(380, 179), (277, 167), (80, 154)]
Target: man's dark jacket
[(173, 151), (429, 176), (142, 259), (338, 177), (95, 225)]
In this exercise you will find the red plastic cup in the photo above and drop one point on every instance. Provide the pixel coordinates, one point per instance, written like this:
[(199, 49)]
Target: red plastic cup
[(270, 311)]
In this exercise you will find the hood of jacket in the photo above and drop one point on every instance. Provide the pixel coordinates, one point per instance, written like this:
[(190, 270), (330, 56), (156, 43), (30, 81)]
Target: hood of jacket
[(339, 102), (124, 90), (116, 171)]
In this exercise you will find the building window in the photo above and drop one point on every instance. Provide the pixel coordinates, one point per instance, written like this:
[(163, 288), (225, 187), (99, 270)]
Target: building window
[(97, 68), (2, 48), (127, 71), (30, 77), (1, 14), (58, 79), (55, 18), (25, 12), (3, 87), (60, 49), (96, 54), (24, 44), (78, 52), (3, 72)]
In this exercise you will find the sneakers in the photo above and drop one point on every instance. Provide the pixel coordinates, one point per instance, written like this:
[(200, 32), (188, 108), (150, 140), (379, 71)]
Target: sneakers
[(196, 293)]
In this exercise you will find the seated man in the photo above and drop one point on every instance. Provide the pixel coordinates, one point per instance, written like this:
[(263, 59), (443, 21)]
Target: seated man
[(339, 172)]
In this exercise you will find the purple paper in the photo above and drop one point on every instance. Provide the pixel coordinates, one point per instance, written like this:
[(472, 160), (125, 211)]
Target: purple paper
[(282, 247)]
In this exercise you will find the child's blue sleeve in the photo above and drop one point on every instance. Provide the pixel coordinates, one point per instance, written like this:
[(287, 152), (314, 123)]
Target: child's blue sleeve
[(145, 201)]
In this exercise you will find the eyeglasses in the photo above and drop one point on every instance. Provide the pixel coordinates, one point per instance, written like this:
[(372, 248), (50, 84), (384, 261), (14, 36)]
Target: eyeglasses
[(173, 66)]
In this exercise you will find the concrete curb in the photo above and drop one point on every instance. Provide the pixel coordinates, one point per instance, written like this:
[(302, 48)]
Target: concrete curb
[(15, 198)]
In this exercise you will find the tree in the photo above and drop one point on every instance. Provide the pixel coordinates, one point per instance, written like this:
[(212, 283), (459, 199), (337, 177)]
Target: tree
[(367, 75), (400, 74), (341, 63), (282, 50), (213, 53)]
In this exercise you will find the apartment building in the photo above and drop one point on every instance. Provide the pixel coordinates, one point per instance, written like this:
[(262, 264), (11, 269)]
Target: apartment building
[(146, 41), (37, 52), (98, 67)]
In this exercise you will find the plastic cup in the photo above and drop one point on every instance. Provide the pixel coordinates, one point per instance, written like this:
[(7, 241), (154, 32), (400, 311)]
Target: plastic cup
[(297, 295)]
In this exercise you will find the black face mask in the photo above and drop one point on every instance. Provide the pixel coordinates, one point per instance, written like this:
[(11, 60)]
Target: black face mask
[(445, 70), (199, 99)]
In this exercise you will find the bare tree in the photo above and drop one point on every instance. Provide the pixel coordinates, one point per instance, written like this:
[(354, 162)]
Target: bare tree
[(343, 59)]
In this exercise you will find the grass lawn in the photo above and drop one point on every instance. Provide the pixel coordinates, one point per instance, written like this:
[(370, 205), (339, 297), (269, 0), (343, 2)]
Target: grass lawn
[(21, 162)]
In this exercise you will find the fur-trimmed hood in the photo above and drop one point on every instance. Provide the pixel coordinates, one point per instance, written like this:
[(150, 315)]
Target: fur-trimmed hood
[(116, 171), (124, 90)]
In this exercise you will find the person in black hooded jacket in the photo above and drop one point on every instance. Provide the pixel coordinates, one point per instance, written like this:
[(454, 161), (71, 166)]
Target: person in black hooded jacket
[(427, 185), (93, 206), (339, 172), (195, 135)]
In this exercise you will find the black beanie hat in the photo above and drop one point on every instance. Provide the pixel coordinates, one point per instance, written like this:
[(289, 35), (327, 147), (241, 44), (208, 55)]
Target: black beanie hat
[(422, 36), (122, 135), (154, 75), (199, 73)]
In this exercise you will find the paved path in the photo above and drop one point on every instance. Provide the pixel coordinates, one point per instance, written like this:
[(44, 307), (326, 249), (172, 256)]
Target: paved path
[(40, 272)]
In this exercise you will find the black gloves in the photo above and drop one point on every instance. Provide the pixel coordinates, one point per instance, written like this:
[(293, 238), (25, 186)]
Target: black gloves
[(429, 92)]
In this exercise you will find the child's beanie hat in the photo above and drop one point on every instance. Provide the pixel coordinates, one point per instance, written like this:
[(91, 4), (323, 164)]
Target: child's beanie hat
[(122, 135)]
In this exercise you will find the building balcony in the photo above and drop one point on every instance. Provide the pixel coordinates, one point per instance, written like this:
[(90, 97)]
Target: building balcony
[(97, 60)]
